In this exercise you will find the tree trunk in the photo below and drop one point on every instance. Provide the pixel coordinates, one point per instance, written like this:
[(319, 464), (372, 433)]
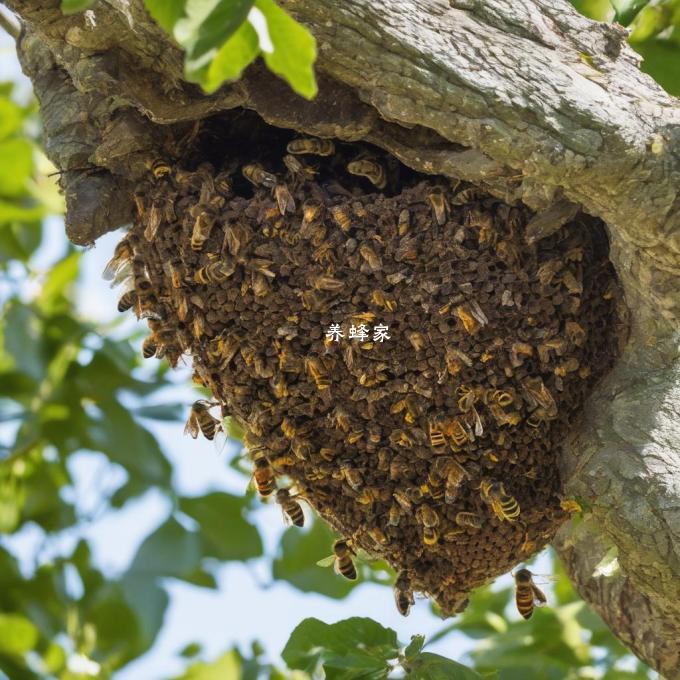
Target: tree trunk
[(529, 100)]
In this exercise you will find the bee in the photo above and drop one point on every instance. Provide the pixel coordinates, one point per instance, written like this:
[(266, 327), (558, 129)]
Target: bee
[(575, 332), (205, 215), (342, 217), (121, 254), (430, 521), (264, 477), (258, 176), (527, 594), (394, 516), (570, 282), (568, 366), (403, 596), (378, 535), (298, 169), (469, 519), (468, 397), (379, 298), (439, 204), (417, 340), (402, 498), (317, 372), (504, 506), (371, 170), (127, 301), (223, 184), (312, 211), (454, 478), (457, 432), (215, 272), (200, 419), (519, 350), (291, 508), (327, 283), (344, 564), (284, 200), (176, 273), (456, 359), (547, 270), (410, 408), (341, 419), (372, 258), (538, 396), (160, 168), (149, 346), (352, 476), (311, 145), (557, 345), (437, 439), (404, 222)]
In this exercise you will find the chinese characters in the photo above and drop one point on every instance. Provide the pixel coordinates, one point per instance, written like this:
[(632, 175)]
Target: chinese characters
[(360, 332)]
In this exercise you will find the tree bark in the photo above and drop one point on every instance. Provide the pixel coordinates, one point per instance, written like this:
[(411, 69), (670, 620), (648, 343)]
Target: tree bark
[(532, 102)]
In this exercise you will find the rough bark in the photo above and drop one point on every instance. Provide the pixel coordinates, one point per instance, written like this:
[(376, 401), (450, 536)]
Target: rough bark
[(530, 101)]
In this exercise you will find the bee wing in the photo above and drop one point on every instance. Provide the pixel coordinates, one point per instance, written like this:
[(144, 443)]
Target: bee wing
[(539, 596), (220, 440), (121, 274), (111, 268), (326, 561), (192, 427)]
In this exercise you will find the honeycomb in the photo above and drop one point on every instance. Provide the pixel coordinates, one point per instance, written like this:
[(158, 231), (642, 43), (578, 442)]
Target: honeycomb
[(395, 345)]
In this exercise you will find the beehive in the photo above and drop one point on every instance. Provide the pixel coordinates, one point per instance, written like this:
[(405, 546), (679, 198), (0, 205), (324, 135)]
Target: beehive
[(494, 342)]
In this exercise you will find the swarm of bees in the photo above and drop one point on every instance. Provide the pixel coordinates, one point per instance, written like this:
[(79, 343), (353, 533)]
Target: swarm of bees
[(435, 450)]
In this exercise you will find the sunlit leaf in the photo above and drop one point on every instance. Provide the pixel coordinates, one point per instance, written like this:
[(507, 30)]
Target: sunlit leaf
[(428, 666), (16, 165), (166, 12), (17, 634), (226, 667), (11, 117), (294, 49)]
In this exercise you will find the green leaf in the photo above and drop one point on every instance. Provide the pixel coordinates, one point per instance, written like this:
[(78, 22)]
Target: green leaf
[(228, 666), (11, 117), (233, 429), (171, 550), (12, 212), (225, 533), (17, 634), (23, 340), (626, 10), (74, 6), (16, 166), (355, 646), (191, 650), (415, 646), (232, 58), (428, 666), (56, 286), (166, 12), (300, 551), (53, 658), (294, 49), (661, 59)]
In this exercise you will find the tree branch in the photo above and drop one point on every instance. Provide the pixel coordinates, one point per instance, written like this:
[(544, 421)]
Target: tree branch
[(532, 102)]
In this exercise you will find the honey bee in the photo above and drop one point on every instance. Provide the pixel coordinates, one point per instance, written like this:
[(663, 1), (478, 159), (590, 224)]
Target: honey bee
[(437, 439), (311, 145), (258, 176), (410, 408), (371, 170), (440, 206), (149, 346), (504, 506), (379, 298), (527, 594), (327, 283), (430, 521), (297, 169), (371, 257), (538, 396), (127, 301), (575, 332), (468, 397), (215, 272), (402, 498), (469, 519), (456, 359), (394, 516), (341, 419), (417, 340), (557, 345), (378, 535), (568, 366), (547, 270), (205, 214), (201, 420), (160, 168), (344, 564), (352, 476), (284, 200), (457, 432), (318, 373), (264, 477), (403, 596), (570, 282), (454, 478), (342, 217), (291, 508), (122, 253), (404, 222)]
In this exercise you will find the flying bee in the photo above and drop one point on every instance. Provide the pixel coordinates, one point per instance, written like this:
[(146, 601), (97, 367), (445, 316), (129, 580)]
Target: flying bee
[(291, 508), (258, 176), (264, 477), (215, 272), (159, 168), (201, 420), (284, 199), (430, 521), (127, 301), (341, 559), (504, 506), (311, 145), (439, 204), (121, 254), (527, 594), (469, 519), (352, 476), (371, 170), (318, 373)]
